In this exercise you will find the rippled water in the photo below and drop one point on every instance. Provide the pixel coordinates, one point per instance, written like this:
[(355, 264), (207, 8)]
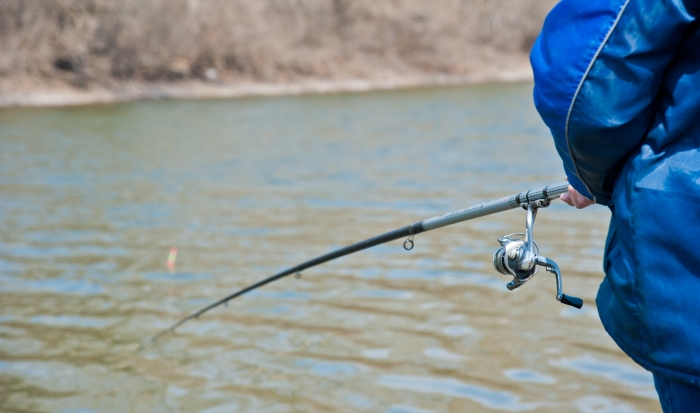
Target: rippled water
[(92, 199)]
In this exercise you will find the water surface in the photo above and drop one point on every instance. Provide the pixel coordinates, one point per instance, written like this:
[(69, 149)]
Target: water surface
[(93, 198)]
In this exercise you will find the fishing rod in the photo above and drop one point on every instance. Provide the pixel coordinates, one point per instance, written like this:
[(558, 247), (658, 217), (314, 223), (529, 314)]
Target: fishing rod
[(518, 258)]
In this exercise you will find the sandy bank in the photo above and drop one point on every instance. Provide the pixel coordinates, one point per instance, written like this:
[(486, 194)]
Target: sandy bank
[(32, 93)]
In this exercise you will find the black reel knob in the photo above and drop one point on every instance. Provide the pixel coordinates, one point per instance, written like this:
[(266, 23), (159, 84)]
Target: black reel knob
[(571, 300)]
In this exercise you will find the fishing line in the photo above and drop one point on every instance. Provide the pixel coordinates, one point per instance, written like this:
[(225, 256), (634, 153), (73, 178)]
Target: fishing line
[(517, 258)]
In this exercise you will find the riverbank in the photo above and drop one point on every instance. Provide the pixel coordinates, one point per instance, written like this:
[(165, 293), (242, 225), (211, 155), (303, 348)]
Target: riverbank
[(30, 92), (77, 52)]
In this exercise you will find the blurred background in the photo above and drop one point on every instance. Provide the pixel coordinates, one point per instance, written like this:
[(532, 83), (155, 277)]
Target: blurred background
[(57, 50), (116, 220)]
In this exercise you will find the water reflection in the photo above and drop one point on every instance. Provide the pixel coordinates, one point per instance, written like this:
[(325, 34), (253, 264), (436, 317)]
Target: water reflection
[(530, 376), (442, 354), (49, 285), (490, 398), (612, 371), (325, 368), (598, 404), (386, 294), (406, 409), (71, 321), (377, 353), (456, 331)]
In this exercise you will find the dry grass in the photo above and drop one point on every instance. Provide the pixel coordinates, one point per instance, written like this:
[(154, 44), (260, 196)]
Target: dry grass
[(102, 41)]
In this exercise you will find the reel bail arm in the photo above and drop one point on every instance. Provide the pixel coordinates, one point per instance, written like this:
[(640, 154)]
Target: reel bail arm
[(520, 259)]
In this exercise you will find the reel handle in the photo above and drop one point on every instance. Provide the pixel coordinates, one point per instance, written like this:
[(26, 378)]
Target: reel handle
[(571, 300), (552, 267)]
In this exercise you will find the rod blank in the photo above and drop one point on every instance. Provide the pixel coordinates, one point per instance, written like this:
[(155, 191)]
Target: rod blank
[(545, 194)]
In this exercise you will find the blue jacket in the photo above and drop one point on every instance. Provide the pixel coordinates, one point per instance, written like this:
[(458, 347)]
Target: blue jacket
[(618, 84)]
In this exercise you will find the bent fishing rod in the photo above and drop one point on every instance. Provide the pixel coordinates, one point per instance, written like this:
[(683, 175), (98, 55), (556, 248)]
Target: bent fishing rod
[(517, 258)]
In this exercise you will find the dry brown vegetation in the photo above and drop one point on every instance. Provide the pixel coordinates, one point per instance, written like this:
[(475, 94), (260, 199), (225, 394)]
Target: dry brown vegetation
[(88, 42)]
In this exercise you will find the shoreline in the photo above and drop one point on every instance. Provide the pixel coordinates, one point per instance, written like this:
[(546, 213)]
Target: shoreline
[(55, 94)]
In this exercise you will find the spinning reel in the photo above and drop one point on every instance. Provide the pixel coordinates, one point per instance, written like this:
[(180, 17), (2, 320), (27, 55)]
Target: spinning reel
[(521, 258)]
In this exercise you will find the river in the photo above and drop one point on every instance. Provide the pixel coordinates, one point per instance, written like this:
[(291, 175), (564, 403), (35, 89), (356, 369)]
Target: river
[(93, 199)]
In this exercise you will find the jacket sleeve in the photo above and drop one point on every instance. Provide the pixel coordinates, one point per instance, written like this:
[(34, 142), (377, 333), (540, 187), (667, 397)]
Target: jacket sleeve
[(598, 67)]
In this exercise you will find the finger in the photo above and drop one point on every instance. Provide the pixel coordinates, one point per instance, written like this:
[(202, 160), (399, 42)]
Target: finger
[(581, 201), (574, 195), (566, 198), (584, 201)]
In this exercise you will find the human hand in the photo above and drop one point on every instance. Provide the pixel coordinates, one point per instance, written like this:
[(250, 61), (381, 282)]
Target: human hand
[(575, 199)]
